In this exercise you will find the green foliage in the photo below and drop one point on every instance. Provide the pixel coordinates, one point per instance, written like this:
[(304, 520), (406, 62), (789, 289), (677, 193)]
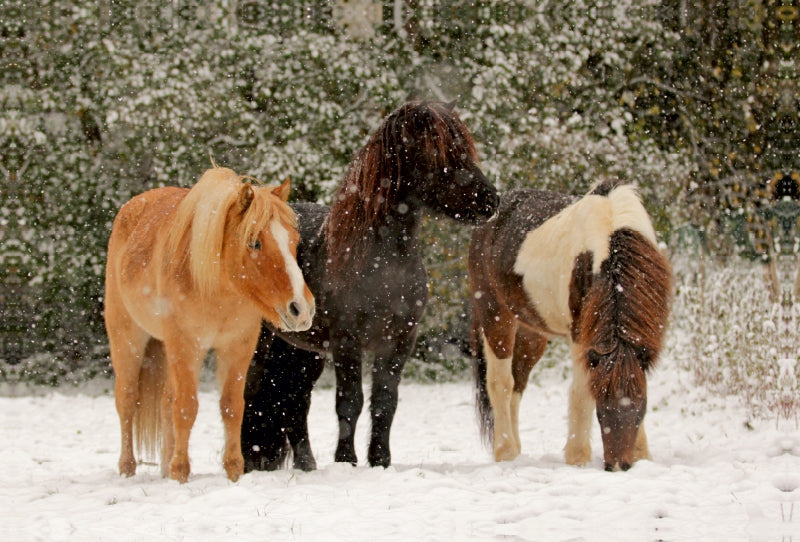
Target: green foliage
[(102, 100)]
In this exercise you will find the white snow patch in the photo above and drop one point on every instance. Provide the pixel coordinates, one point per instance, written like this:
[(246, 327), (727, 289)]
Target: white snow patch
[(711, 477)]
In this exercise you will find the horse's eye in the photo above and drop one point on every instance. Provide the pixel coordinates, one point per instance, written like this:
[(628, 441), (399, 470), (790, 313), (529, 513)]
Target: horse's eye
[(255, 245)]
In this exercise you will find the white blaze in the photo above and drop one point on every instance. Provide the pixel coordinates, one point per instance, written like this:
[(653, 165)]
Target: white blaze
[(281, 236)]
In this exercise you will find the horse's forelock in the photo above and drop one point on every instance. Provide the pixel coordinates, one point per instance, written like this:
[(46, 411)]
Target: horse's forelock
[(453, 141), (264, 208), (619, 373), (202, 221)]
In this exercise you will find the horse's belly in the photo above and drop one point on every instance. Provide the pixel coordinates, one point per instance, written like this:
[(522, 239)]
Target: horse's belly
[(551, 302), (148, 309)]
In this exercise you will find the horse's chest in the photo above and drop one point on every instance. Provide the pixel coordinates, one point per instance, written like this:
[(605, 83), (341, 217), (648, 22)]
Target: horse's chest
[(382, 297)]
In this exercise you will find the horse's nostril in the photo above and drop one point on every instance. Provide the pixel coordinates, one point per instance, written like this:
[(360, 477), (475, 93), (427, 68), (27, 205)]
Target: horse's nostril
[(294, 309)]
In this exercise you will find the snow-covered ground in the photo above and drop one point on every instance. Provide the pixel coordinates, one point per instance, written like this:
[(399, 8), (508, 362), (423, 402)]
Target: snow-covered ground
[(715, 476)]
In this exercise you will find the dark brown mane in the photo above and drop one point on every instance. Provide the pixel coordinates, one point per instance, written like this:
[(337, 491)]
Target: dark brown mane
[(418, 136), (624, 316)]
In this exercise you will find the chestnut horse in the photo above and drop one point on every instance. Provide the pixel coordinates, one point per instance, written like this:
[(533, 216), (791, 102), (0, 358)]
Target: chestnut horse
[(588, 270), (189, 271), (362, 259)]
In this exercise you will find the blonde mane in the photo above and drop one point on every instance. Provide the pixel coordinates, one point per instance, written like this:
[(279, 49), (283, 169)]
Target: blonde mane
[(198, 230)]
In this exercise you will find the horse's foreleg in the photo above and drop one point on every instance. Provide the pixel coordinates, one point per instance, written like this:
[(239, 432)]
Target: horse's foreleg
[(387, 369), (311, 366), (500, 387), (233, 360), (184, 360), (640, 448), (578, 450), (168, 442), (349, 400)]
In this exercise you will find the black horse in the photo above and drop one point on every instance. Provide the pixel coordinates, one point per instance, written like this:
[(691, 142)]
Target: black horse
[(361, 259)]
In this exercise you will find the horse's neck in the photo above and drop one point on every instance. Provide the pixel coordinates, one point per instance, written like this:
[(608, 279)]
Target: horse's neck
[(397, 233)]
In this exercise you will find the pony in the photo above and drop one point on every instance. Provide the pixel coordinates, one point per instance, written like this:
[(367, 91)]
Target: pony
[(587, 269), (362, 259), (190, 270)]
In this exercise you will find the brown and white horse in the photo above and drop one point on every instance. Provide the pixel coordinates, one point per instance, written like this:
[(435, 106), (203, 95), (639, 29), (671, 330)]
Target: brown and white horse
[(587, 269), (189, 271)]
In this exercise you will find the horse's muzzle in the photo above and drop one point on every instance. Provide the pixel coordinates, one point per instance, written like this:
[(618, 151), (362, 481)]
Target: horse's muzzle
[(297, 316)]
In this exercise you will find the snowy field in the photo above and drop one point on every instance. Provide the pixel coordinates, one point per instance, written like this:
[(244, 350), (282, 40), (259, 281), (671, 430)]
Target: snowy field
[(715, 476)]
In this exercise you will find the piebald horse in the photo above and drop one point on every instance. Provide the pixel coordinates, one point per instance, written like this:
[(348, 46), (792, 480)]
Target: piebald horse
[(587, 269), (189, 271)]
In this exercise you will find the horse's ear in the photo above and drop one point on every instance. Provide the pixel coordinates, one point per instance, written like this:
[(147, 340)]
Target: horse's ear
[(451, 105), (246, 195), (283, 190)]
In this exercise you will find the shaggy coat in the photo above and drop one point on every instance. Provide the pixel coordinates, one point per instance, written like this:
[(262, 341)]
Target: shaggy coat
[(585, 269), (362, 259)]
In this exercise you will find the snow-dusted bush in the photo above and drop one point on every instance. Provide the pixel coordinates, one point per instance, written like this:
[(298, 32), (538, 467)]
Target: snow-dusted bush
[(736, 340), (102, 100)]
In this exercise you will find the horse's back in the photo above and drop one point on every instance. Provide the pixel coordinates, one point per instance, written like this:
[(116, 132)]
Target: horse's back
[(145, 212), (521, 211)]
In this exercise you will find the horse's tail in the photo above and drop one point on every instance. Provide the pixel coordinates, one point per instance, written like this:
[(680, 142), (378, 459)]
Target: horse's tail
[(152, 377), (625, 311), (482, 403)]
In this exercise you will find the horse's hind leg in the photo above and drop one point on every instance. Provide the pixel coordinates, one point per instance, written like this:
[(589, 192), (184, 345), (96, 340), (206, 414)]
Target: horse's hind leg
[(387, 369), (528, 349), (578, 450), (498, 348), (127, 345)]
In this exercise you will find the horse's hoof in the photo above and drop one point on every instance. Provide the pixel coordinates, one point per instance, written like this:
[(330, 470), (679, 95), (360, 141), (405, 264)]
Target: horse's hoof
[(127, 468), (234, 468), (577, 455), (379, 456), (345, 456), (305, 463), (384, 462), (507, 452), (179, 471)]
